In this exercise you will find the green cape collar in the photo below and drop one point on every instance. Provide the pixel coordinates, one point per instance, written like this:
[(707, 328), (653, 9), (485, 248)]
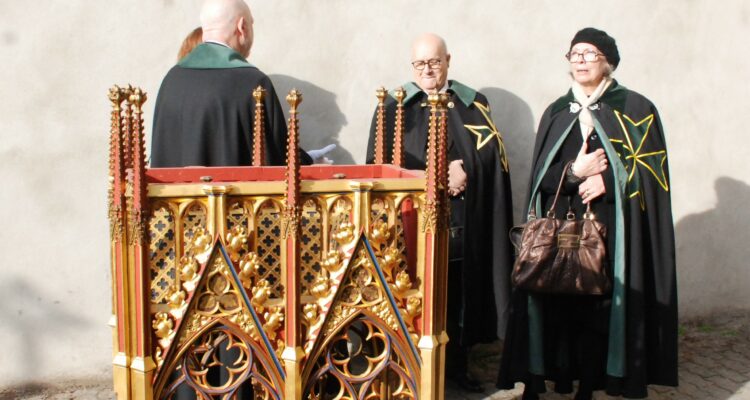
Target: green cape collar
[(213, 56), (614, 97), (463, 92)]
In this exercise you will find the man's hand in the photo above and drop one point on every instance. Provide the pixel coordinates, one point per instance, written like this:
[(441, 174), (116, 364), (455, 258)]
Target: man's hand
[(456, 178)]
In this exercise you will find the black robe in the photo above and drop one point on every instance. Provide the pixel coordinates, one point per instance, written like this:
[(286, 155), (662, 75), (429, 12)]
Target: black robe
[(485, 212), (638, 319), (204, 112), (204, 116)]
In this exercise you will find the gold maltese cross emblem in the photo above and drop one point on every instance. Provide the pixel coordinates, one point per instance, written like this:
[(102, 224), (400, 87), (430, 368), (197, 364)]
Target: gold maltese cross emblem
[(485, 133), (637, 155)]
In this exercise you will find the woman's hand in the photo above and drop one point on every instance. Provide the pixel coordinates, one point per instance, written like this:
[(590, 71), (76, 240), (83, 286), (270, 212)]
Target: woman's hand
[(589, 164), (591, 188)]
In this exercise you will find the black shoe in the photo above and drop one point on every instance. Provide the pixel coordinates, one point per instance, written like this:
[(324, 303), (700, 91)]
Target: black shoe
[(584, 395), (529, 395), (468, 383)]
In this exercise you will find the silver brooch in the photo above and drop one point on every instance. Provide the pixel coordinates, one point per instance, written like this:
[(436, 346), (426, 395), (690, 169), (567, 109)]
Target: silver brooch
[(574, 107)]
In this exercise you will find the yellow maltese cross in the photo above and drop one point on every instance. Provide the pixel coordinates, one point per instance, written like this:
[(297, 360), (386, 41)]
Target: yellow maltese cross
[(635, 158), (485, 133)]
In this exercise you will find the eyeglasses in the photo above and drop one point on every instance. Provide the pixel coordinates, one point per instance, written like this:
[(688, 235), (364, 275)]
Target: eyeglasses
[(587, 56), (420, 64)]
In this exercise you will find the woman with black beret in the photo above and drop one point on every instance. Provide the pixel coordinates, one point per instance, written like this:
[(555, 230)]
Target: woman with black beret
[(607, 142)]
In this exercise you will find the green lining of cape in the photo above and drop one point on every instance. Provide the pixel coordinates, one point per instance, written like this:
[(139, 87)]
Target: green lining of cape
[(463, 92), (616, 349), (213, 56)]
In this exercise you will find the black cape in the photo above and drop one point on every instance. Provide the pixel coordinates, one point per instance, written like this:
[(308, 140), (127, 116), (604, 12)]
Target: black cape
[(472, 137), (204, 112), (641, 344)]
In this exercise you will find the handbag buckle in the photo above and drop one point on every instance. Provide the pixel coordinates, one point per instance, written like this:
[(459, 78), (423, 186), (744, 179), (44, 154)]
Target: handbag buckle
[(568, 241)]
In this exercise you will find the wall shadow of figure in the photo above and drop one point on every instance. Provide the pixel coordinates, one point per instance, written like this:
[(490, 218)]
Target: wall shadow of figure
[(512, 117), (713, 253), (31, 319), (321, 119), (514, 120)]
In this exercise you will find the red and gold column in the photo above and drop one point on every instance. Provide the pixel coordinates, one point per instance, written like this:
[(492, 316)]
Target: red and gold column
[(293, 352), (142, 365), (118, 244), (434, 255)]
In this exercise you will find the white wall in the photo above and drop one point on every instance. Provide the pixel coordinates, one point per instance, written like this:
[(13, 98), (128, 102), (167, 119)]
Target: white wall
[(59, 58)]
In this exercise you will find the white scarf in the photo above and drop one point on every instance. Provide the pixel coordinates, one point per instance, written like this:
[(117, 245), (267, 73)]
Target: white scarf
[(587, 103)]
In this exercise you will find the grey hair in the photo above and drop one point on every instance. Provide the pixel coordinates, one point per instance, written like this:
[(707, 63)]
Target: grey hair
[(609, 69)]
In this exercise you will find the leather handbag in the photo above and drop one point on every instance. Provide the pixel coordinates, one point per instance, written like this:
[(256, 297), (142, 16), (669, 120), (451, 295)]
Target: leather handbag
[(561, 256)]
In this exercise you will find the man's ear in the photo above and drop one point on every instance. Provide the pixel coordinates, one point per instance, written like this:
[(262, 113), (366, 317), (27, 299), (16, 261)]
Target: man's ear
[(448, 60), (241, 26)]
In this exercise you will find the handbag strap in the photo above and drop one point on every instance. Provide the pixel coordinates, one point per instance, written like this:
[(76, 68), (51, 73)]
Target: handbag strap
[(551, 211), (589, 214)]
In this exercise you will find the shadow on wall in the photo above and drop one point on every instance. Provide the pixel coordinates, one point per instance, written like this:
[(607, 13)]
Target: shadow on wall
[(713, 253), (515, 122), (321, 119), (30, 320), (512, 117)]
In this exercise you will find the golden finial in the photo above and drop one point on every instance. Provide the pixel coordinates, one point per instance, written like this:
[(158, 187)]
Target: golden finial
[(443, 100), (258, 94), (137, 97), (116, 95), (433, 99), (294, 98), (380, 94), (399, 95)]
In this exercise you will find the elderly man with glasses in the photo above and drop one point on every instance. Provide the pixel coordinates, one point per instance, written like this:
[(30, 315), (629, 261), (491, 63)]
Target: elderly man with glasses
[(479, 188)]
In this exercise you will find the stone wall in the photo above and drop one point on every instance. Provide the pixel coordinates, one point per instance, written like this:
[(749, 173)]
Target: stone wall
[(60, 57)]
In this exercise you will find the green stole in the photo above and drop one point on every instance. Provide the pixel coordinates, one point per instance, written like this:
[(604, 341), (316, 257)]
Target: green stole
[(463, 92), (213, 56)]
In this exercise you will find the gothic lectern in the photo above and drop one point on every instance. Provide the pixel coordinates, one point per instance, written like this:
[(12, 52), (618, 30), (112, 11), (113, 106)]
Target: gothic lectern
[(315, 282)]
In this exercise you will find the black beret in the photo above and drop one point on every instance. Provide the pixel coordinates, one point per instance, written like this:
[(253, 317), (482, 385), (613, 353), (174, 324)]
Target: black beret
[(605, 43)]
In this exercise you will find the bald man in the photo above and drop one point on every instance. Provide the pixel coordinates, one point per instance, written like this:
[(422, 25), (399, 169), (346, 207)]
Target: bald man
[(479, 186), (204, 110)]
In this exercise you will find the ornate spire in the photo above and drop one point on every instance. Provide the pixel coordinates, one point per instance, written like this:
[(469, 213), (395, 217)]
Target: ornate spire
[(259, 134), (380, 127), (398, 133), (294, 98), (138, 147)]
